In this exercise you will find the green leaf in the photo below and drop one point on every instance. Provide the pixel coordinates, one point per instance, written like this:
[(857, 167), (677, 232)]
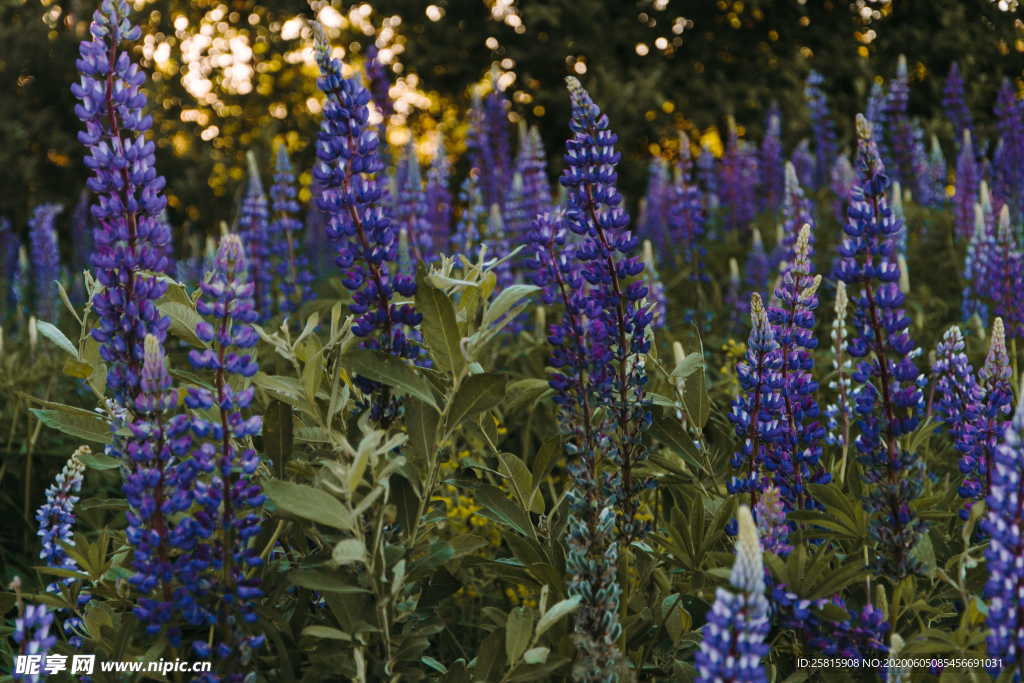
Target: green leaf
[(500, 509), (421, 422), (476, 394), (689, 365), (667, 430), (51, 332), (327, 632), (518, 630), (525, 392), (558, 611), (440, 330), (395, 372), (434, 664), (183, 321), (81, 424), (536, 655), (696, 400), (349, 551), (308, 503), (287, 389), (323, 581), (506, 299), (278, 439), (99, 461)]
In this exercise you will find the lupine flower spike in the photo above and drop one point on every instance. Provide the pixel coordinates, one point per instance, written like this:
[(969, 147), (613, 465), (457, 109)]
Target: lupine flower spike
[(45, 254), (130, 237), (839, 413), (737, 625), (294, 275)]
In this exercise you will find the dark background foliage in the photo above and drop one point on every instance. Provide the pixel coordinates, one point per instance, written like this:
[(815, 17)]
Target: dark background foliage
[(728, 58)]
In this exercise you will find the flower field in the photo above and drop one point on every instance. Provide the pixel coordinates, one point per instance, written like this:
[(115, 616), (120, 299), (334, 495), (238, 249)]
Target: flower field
[(485, 416)]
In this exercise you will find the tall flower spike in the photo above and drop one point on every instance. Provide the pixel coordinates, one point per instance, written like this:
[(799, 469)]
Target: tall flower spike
[(770, 161), (291, 265), (900, 128), (707, 177), (822, 127), (55, 518), (439, 197), (756, 412), (347, 169), (772, 526), (796, 213), (472, 218), (839, 413), (758, 266), (955, 102), (655, 289), (738, 180), (686, 216), (44, 251), (1006, 547), (82, 226), (888, 396), (797, 461), (32, 636), (1008, 162), (843, 180), (411, 207), (967, 178), (158, 481), (130, 237), (619, 320), (1001, 272), (737, 625), (254, 229), (230, 500), (937, 172)]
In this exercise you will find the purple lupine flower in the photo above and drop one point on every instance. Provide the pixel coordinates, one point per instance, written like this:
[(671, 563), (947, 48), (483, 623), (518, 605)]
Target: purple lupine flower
[(44, 251), (756, 412), (843, 178), (899, 129), (411, 208), (733, 298), (889, 397), (738, 181), (989, 416), (860, 636), (495, 115), (1001, 271), (923, 187), (533, 167), (957, 393), (379, 83), (772, 526), (803, 161), (738, 623), (896, 206), (294, 276), (469, 227), (439, 198), (797, 212), (976, 260), (1008, 163), (770, 162), (796, 462), (839, 413), (652, 223), (481, 153), (1003, 523), (55, 518), (129, 237), (955, 103), (875, 109), (822, 128), (498, 246), (33, 637), (515, 215), (254, 229), (967, 178), (656, 298), (593, 550), (618, 321), (316, 242), (158, 479), (707, 177), (350, 193), (687, 215), (230, 499)]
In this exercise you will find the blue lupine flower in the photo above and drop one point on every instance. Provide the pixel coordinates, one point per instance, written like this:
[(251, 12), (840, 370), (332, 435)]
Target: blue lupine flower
[(411, 208), (82, 227), (822, 127), (652, 223), (495, 112), (797, 460), (230, 499), (738, 181), (655, 289), (757, 268), (472, 220), (55, 518), (937, 172), (1000, 270), (1006, 547), (797, 212), (1008, 162), (32, 636), (533, 168), (130, 237), (955, 103), (347, 169), (839, 413), (899, 129), (439, 198), (294, 276), (889, 398), (860, 636), (496, 239), (843, 178), (707, 177), (757, 412), (45, 254), (686, 217), (967, 178), (254, 229), (737, 625), (772, 526), (803, 161), (158, 478)]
